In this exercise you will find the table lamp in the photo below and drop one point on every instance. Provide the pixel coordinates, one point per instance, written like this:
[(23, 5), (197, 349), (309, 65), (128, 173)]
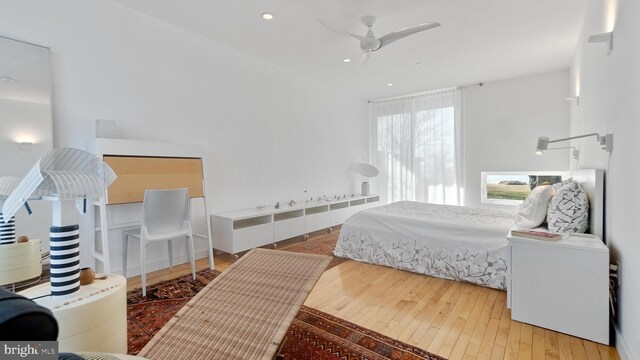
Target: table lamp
[(8, 226), (62, 176), (367, 171)]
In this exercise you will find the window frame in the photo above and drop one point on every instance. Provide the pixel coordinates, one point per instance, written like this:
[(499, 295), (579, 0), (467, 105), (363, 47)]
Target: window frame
[(483, 184)]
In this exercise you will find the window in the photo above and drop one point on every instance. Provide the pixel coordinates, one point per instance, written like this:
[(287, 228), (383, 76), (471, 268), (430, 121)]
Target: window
[(511, 188), (415, 147)]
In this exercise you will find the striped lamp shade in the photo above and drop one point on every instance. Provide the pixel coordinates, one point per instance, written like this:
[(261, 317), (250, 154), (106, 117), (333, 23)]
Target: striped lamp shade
[(65, 259), (7, 230)]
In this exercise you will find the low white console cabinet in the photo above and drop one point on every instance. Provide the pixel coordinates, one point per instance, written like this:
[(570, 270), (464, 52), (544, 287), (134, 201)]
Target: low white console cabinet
[(241, 230)]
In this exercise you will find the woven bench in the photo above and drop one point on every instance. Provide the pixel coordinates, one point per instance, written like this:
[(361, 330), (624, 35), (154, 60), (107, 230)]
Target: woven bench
[(243, 313)]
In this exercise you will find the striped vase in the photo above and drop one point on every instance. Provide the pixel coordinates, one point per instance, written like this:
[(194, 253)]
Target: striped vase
[(7, 230), (65, 260)]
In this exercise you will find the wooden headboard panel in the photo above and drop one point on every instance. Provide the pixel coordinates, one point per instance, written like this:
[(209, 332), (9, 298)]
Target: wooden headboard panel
[(592, 181), (137, 173)]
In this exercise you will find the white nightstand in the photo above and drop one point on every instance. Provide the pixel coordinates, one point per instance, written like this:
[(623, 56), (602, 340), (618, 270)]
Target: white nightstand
[(561, 285)]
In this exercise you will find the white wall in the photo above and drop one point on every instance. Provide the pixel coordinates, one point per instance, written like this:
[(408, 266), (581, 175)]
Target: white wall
[(609, 90), (502, 123), (268, 134)]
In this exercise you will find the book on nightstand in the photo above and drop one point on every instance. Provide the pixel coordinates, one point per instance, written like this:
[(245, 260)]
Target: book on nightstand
[(536, 234)]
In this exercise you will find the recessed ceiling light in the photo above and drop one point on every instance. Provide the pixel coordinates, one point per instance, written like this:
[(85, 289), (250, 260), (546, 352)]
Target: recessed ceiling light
[(267, 16), (389, 84), (419, 63), (347, 60)]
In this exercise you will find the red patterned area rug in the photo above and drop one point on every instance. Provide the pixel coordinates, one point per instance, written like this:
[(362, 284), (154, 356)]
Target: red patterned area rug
[(321, 245), (146, 315), (312, 335), (320, 336)]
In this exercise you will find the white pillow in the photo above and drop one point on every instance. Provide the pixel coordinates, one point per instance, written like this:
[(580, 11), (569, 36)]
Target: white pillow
[(533, 210), (569, 210)]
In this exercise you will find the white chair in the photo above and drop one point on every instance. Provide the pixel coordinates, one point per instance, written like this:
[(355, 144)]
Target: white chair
[(166, 216)]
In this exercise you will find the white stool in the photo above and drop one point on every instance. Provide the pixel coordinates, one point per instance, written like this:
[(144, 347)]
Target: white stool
[(20, 262), (91, 319)]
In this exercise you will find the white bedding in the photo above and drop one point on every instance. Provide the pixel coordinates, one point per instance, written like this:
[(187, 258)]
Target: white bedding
[(451, 242)]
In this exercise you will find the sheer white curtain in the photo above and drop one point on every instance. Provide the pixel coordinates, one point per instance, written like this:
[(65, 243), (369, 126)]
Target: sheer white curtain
[(417, 146)]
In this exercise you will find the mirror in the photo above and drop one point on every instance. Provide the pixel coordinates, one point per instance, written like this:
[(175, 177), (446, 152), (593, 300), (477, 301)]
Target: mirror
[(27, 127)]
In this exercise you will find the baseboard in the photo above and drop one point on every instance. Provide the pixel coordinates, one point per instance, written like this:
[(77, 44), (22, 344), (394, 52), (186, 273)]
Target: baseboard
[(621, 345)]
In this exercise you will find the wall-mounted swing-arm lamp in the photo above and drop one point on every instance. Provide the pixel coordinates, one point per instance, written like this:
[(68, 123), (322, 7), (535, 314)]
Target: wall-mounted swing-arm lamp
[(606, 141)]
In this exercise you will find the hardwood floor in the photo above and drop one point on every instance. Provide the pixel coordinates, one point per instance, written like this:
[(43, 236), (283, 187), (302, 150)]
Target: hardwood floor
[(452, 319)]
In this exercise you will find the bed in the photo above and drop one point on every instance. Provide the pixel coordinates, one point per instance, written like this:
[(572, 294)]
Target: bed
[(450, 242)]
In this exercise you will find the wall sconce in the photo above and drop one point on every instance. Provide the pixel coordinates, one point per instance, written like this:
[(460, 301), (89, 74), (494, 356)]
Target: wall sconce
[(606, 141), (25, 146), (574, 98), (603, 38), (7, 79)]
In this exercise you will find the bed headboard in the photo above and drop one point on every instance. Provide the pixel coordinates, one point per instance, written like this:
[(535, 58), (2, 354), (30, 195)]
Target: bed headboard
[(592, 181)]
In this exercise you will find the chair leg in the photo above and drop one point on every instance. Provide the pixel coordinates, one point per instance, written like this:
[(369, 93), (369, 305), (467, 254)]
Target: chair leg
[(143, 266), (170, 245), (125, 246), (193, 256)]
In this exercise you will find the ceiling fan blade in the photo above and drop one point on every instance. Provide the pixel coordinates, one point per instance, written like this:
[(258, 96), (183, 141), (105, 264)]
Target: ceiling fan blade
[(340, 31), (363, 59), (397, 35)]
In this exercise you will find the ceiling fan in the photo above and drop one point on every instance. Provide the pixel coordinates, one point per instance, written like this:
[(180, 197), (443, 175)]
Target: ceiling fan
[(370, 43)]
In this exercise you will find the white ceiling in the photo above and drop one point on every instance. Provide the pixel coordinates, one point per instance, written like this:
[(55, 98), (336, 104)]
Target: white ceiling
[(479, 40)]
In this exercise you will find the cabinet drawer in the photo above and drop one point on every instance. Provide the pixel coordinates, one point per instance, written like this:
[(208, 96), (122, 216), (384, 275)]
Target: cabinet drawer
[(561, 289), (339, 216), (285, 229), (253, 236), (318, 221)]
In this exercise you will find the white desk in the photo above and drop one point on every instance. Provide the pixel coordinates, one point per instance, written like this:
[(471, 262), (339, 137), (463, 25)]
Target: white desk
[(102, 147), (561, 285), (93, 319)]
